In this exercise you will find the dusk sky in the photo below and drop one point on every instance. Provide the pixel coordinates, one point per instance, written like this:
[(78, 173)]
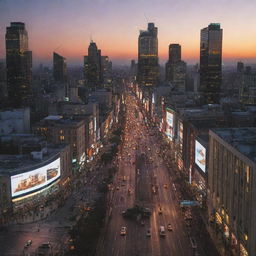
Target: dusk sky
[(67, 26)]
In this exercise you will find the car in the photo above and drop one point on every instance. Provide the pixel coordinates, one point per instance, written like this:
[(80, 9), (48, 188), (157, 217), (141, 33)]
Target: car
[(148, 234), (169, 227), (160, 210), (162, 231), (28, 243), (193, 242), (117, 188), (123, 231), (165, 186), (45, 245)]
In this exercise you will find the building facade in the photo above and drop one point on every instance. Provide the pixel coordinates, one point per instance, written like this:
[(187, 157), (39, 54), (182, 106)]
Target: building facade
[(232, 188), (92, 67), (32, 173), (18, 65), (59, 130), (210, 63), (59, 68), (148, 68), (175, 68)]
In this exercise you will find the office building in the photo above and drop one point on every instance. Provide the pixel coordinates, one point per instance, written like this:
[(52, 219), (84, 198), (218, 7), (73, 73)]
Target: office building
[(18, 65), (92, 67), (59, 130), (210, 63), (59, 68), (13, 121), (175, 69), (148, 69), (240, 67), (231, 187), (247, 88), (32, 172)]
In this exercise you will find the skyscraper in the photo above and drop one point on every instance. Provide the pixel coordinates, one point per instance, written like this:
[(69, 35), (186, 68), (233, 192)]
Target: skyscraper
[(92, 67), (175, 68), (174, 53), (240, 67), (210, 63), (148, 69), (18, 65), (59, 68)]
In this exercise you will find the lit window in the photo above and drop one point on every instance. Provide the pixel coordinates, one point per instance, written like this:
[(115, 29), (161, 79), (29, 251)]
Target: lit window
[(247, 170)]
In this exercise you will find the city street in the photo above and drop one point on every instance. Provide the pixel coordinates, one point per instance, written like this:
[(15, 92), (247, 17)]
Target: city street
[(142, 170)]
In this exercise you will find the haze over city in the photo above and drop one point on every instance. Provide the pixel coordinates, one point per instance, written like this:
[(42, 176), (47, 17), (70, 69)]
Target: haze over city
[(68, 26)]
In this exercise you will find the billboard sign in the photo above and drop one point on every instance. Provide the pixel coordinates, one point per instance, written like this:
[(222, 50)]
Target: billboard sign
[(200, 156), (26, 182), (169, 124)]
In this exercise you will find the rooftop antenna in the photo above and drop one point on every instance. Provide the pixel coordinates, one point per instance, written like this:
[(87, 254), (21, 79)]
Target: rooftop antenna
[(57, 48), (145, 17)]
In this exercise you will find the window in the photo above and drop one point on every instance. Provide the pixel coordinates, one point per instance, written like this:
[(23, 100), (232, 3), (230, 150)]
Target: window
[(247, 172)]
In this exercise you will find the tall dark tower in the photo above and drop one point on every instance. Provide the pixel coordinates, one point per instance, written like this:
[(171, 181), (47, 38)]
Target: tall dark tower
[(175, 68), (174, 53), (59, 68), (148, 69), (92, 67), (18, 65), (210, 63)]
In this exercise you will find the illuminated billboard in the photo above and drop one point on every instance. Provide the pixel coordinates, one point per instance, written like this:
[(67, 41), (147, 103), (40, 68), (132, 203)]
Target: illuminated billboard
[(200, 156), (26, 182), (169, 122)]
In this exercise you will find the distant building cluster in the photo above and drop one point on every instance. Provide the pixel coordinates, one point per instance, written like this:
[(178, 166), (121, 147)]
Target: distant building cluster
[(51, 126)]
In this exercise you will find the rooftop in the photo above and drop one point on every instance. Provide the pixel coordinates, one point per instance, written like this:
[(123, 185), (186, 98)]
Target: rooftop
[(13, 163), (242, 139), (58, 120)]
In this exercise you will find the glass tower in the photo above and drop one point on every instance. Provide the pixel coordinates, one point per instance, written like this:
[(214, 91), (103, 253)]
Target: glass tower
[(92, 67), (59, 68), (175, 69), (210, 63), (18, 65), (148, 69)]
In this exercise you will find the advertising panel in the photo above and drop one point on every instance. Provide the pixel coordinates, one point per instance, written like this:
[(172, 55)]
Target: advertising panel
[(200, 156), (33, 180), (169, 126)]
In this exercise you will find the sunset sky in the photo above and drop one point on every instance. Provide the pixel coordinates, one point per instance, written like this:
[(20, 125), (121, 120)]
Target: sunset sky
[(67, 26)]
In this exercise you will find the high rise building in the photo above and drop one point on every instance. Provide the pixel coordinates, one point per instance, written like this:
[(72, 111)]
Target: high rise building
[(210, 63), (92, 67), (175, 68), (174, 53), (148, 69), (133, 68), (18, 65), (59, 68), (240, 67)]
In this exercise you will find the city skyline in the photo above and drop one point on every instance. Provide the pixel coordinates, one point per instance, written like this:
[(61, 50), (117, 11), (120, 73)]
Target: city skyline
[(77, 23)]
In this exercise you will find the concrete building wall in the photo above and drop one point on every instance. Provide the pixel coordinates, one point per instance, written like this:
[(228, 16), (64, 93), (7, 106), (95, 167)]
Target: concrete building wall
[(231, 192)]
